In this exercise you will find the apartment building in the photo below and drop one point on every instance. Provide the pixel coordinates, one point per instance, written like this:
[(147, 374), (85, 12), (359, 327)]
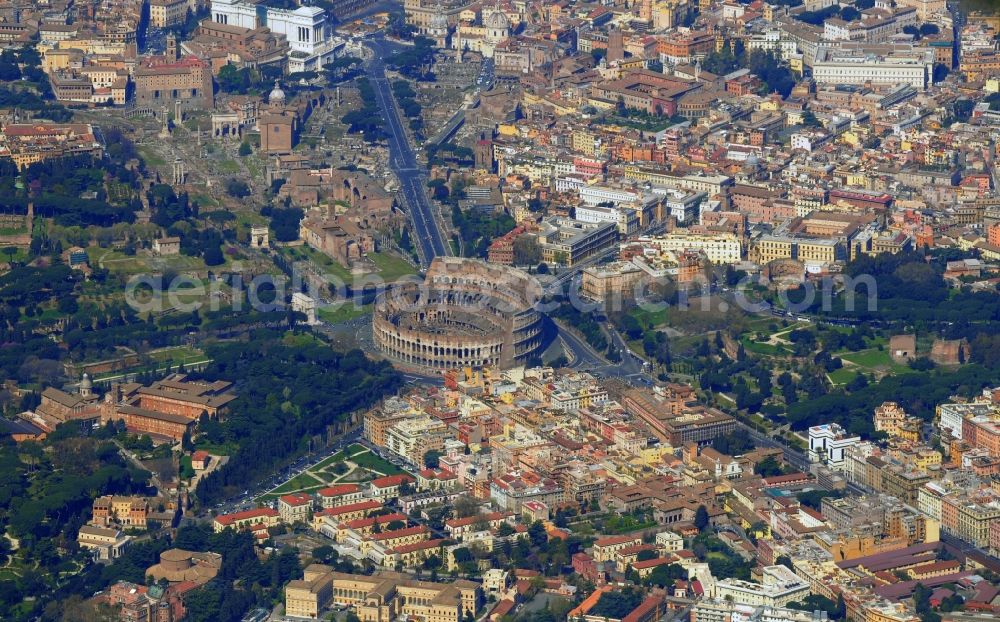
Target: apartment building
[(411, 438), (719, 248), (564, 241), (167, 13)]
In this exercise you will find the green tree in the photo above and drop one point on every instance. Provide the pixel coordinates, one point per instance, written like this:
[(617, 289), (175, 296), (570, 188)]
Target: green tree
[(701, 518), (432, 459)]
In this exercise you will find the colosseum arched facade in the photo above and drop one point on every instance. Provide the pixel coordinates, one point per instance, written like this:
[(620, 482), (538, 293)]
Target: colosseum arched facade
[(466, 313)]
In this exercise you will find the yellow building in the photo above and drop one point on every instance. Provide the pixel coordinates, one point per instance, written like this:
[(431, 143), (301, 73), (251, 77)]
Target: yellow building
[(380, 598), (888, 612), (606, 549), (166, 13)]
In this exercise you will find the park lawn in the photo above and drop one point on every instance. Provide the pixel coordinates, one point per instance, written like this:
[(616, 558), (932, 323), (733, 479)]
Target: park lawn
[(299, 482), (271, 496), (649, 319), (872, 359), (765, 349), (391, 267), (842, 376), (119, 262), (625, 524), (177, 355), (330, 460), (335, 314), (371, 462)]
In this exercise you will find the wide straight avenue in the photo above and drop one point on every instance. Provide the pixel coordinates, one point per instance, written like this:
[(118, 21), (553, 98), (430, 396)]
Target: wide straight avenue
[(412, 177)]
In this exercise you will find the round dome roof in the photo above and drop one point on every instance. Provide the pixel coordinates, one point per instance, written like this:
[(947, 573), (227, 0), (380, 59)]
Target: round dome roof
[(85, 382), (277, 96), (498, 21)]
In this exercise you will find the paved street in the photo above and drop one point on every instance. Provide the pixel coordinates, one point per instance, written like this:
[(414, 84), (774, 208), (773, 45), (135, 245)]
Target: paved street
[(412, 176)]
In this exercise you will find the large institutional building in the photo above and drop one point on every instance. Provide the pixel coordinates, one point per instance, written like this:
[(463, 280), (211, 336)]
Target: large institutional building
[(380, 598), (466, 313), (306, 28), (887, 65)]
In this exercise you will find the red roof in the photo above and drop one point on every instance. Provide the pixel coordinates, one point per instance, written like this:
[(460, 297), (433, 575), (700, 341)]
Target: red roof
[(338, 490), (200, 455), (419, 546), (374, 520), (229, 519), (471, 520), (297, 498), (399, 533), (391, 480), (352, 507), (652, 563), (613, 540), (640, 612), (503, 607)]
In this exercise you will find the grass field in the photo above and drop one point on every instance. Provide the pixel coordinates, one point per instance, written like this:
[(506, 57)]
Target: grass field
[(391, 267), (370, 461), (343, 313), (225, 449), (649, 319), (300, 481), (173, 357), (842, 375), (137, 264), (151, 157), (874, 360), (765, 349)]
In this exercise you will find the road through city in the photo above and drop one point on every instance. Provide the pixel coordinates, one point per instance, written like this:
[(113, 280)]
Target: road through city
[(412, 176)]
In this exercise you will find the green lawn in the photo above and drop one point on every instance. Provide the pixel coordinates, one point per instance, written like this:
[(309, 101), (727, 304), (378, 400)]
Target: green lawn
[(765, 349), (177, 355), (872, 359), (224, 449), (299, 482), (649, 319), (370, 461), (325, 462), (343, 313), (116, 261), (271, 496), (150, 156), (391, 267), (842, 375)]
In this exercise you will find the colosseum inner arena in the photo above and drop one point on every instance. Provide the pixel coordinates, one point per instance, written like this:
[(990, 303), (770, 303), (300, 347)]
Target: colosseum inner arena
[(466, 313)]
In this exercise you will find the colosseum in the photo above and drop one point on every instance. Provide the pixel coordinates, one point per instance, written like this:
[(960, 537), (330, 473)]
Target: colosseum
[(466, 313)]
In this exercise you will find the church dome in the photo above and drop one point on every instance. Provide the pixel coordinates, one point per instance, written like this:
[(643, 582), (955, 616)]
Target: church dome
[(85, 382), (498, 21), (277, 96)]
